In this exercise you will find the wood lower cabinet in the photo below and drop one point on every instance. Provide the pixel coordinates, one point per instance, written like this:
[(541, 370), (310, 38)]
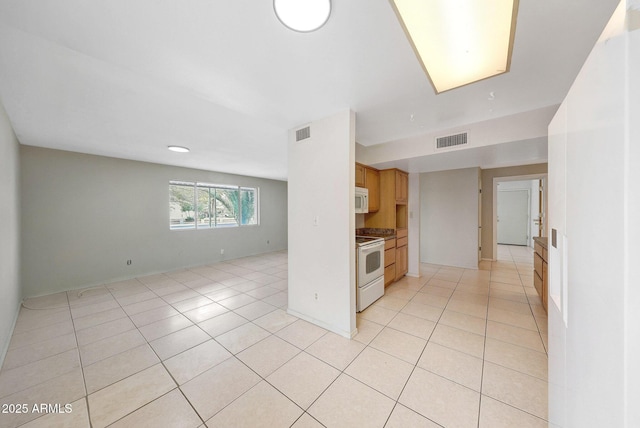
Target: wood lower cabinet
[(402, 266), (389, 261), (541, 270)]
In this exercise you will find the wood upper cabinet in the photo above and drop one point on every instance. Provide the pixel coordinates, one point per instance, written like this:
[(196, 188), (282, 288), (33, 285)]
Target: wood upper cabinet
[(369, 178), (372, 182), (392, 212), (360, 175), (402, 187)]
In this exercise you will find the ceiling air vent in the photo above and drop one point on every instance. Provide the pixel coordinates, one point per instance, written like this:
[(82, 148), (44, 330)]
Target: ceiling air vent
[(451, 141), (303, 134)]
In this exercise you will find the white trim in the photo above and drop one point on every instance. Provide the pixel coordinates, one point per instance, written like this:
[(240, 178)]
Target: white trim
[(347, 334), (5, 348)]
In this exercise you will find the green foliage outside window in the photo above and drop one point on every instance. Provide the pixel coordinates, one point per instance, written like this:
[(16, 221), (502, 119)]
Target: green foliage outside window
[(213, 206)]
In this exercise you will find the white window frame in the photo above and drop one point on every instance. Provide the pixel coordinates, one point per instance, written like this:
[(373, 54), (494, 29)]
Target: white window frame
[(201, 185)]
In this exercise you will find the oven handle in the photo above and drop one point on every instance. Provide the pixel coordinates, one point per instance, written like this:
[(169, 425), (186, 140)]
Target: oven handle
[(372, 245)]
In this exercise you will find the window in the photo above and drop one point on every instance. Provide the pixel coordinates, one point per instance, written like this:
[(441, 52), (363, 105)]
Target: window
[(182, 210), (206, 206)]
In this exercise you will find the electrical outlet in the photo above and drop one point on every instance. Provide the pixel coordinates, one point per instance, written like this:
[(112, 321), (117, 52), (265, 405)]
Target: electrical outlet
[(129, 262), (316, 296), (221, 250)]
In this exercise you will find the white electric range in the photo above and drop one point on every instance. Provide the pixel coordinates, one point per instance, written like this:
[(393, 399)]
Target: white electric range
[(369, 270)]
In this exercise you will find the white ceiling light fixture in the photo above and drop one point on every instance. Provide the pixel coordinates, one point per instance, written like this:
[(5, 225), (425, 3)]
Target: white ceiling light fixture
[(302, 15), (459, 41), (178, 149)]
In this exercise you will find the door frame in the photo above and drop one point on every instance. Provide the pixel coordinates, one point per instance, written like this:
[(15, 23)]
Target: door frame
[(496, 180)]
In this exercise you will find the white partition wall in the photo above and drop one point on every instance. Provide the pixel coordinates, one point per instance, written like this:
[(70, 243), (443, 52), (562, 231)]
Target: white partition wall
[(414, 225), (322, 224), (10, 293), (594, 190), (449, 218)]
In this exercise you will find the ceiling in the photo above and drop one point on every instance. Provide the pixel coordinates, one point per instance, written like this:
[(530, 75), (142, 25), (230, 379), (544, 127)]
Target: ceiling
[(128, 78)]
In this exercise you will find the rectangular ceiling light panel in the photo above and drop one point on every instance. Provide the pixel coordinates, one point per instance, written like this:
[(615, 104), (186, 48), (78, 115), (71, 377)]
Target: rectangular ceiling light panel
[(459, 41)]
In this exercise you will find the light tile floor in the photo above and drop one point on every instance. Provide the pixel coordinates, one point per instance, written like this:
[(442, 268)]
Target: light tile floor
[(213, 346)]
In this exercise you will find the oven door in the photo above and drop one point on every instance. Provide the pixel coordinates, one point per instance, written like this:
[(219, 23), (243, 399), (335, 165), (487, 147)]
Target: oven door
[(370, 262)]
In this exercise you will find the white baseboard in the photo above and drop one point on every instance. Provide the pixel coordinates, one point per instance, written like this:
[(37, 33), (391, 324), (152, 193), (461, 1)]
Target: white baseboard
[(332, 328), (5, 346)]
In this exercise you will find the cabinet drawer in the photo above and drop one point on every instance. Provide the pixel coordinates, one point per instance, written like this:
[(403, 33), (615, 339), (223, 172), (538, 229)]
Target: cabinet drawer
[(389, 274), (401, 242), (537, 283), (544, 255), (390, 243), (402, 233), (389, 256), (537, 248), (537, 264), (545, 286)]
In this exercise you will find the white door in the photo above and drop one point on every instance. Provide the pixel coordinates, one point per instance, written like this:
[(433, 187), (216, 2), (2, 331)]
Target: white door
[(513, 217)]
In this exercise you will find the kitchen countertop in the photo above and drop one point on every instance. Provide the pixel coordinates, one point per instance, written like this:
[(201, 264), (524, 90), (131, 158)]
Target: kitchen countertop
[(542, 241), (382, 233)]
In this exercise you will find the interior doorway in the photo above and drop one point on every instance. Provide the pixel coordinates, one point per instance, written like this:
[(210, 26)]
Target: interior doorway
[(534, 185), (514, 211)]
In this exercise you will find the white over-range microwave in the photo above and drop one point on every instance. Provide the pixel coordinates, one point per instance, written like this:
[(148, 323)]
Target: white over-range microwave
[(362, 200)]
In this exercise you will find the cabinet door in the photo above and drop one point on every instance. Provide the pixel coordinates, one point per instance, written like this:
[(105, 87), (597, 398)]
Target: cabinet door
[(402, 187), (372, 181), (389, 274), (360, 175), (401, 262)]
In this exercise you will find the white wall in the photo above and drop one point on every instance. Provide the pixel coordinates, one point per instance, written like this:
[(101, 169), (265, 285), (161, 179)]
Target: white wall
[(322, 224), (83, 216), (449, 217), (632, 235), (593, 206), (517, 127), (10, 293), (414, 226)]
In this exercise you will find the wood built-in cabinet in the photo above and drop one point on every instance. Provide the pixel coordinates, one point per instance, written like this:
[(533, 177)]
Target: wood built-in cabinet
[(402, 187), (389, 261), (360, 175), (369, 178), (392, 214), (402, 265), (541, 270)]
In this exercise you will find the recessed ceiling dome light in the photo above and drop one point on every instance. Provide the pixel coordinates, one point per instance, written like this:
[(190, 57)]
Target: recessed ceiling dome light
[(302, 15), (178, 149)]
